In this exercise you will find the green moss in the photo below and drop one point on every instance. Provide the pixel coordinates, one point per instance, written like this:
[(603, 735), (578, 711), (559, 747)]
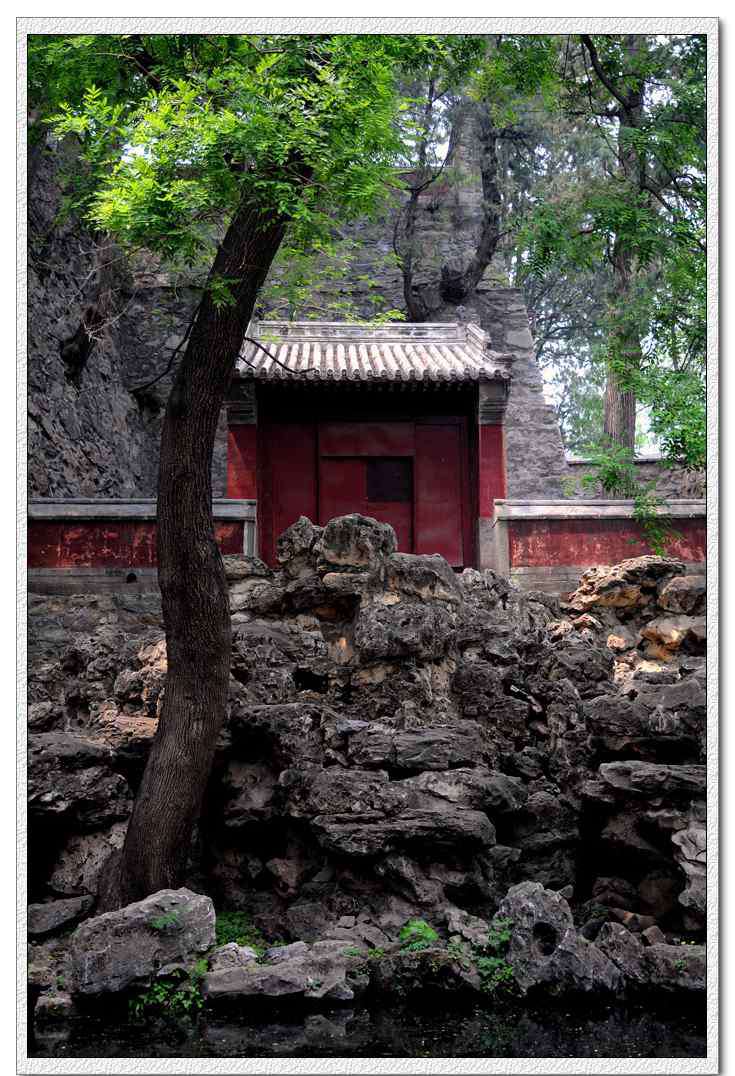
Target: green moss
[(237, 927)]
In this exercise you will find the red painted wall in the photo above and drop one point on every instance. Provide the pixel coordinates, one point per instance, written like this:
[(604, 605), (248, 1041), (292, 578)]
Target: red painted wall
[(560, 542), (492, 468), (91, 544), (242, 462)]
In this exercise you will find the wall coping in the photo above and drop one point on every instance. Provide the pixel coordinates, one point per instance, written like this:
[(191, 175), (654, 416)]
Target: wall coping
[(581, 508), (93, 508)]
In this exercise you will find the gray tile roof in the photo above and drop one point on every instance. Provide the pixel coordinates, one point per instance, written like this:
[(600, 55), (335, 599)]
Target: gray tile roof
[(396, 352)]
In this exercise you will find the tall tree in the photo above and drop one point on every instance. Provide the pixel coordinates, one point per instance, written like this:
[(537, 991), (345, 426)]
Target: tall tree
[(644, 218), (273, 134), (483, 111)]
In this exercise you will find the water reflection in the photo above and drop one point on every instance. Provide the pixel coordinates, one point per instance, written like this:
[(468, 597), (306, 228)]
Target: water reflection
[(431, 1032)]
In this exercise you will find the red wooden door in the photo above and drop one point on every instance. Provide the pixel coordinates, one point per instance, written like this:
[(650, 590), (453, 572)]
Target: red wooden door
[(377, 487), (287, 488), (439, 485)]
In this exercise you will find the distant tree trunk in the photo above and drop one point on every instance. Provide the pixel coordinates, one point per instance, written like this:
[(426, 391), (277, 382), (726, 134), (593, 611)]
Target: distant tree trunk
[(191, 574), (619, 413), (627, 91)]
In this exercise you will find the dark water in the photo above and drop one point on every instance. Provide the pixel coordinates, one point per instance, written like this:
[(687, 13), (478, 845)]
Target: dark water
[(432, 1032)]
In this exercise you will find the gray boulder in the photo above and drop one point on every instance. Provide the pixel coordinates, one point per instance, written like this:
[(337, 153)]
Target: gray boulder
[(545, 951), (684, 594), (677, 969), (44, 919), (119, 949), (232, 955), (434, 971), (354, 542), (320, 971)]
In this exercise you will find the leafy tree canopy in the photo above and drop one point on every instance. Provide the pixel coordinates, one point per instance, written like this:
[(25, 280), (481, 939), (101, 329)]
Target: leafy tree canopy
[(175, 128)]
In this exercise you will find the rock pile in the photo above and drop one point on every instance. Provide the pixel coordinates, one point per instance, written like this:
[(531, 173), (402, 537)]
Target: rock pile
[(401, 741)]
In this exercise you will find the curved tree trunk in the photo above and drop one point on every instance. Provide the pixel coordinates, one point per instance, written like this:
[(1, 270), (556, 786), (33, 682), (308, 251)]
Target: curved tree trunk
[(191, 575)]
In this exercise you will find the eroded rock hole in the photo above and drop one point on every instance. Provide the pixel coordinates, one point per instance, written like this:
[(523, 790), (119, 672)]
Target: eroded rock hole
[(546, 938), (308, 680)]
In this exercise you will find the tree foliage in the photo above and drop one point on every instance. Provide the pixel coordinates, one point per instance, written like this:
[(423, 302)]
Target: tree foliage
[(641, 218)]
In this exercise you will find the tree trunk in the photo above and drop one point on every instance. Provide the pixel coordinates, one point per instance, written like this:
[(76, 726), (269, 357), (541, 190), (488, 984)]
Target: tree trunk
[(191, 574), (627, 91), (456, 281), (619, 413)]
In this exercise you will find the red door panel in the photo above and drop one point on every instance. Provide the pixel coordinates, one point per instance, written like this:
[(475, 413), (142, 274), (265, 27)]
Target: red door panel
[(366, 439), (400, 516), (438, 492), (342, 488), (288, 488)]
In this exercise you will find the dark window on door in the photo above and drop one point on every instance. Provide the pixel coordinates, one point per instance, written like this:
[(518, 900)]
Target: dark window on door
[(389, 479)]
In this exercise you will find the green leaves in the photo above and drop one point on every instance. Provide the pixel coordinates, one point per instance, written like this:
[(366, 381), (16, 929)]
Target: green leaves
[(417, 934), (180, 131)]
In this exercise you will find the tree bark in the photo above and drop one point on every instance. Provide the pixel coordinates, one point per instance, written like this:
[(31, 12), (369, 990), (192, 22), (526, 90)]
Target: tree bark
[(191, 574), (455, 281), (620, 401)]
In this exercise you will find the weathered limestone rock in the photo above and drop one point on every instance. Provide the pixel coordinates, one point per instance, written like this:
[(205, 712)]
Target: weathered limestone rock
[(232, 955), (444, 828), (295, 548), (320, 971), (422, 577), (480, 788), (72, 776), (545, 950), (678, 968), (628, 585), (385, 716), (428, 748), (427, 971), (668, 634), (82, 859), (684, 594), (649, 779), (55, 915), (625, 950), (403, 630), (354, 542), (118, 949), (691, 854)]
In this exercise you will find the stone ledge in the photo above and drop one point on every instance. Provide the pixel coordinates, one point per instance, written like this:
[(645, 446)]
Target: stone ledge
[(134, 508), (582, 508)]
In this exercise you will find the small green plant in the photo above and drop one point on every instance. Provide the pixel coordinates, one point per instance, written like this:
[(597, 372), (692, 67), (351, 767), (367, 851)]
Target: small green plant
[(178, 996), (569, 487), (680, 965), (352, 950), (417, 934), (236, 927), (495, 972), (499, 934), (375, 954), (164, 922)]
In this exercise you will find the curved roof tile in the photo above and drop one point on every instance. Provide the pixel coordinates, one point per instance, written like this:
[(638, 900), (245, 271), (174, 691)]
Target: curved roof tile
[(345, 351)]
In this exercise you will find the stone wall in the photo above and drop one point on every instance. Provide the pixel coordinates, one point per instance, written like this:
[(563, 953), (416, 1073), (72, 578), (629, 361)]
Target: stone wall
[(89, 433), (671, 481)]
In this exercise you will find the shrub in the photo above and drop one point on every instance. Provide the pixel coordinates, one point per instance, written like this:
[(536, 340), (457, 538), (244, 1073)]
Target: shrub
[(417, 934)]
